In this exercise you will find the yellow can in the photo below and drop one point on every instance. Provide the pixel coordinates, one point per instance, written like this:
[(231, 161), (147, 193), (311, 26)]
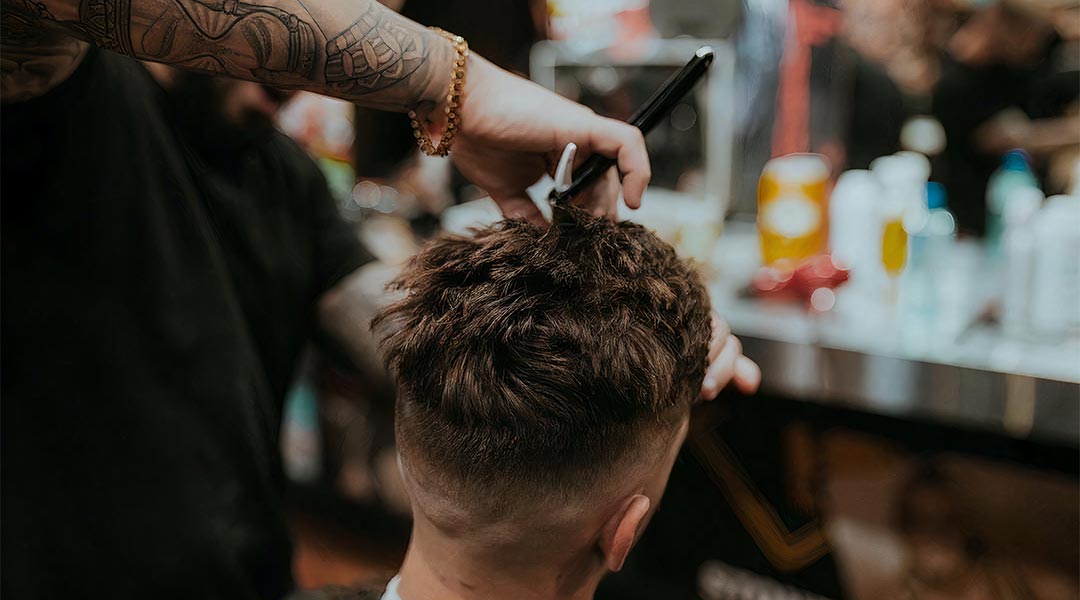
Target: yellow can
[(793, 207)]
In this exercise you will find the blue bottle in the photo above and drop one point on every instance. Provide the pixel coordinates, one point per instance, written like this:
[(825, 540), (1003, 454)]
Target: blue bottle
[(1014, 172)]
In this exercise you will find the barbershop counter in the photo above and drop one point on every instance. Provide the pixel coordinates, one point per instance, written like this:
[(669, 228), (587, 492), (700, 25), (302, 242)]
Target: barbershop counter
[(956, 369)]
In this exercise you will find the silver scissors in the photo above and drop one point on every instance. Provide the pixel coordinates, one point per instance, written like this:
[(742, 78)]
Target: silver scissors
[(564, 172)]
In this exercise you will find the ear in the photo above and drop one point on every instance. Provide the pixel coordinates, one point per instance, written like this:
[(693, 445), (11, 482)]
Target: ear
[(622, 529)]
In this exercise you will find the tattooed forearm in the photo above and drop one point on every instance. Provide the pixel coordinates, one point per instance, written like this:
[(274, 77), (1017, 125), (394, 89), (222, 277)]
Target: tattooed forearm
[(238, 38), (372, 54), (353, 49)]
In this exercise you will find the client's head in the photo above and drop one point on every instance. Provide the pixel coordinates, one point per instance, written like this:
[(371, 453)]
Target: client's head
[(546, 378)]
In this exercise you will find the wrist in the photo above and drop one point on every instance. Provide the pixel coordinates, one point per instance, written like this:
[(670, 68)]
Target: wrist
[(443, 119), (430, 109), (480, 73)]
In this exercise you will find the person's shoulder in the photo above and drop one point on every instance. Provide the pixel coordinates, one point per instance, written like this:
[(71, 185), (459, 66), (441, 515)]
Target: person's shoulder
[(293, 159), (37, 57), (51, 76)]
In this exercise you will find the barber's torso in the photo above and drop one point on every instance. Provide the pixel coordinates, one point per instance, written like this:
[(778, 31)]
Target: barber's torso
[(150, 326)]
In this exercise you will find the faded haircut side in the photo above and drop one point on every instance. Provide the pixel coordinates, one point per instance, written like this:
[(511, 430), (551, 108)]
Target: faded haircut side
[(535, 359)]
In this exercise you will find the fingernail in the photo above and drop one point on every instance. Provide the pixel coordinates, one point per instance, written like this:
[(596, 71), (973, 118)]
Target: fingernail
[(710, 383)]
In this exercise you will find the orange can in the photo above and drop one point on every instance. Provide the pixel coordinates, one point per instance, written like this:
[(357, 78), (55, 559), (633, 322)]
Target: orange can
[(793, 210)]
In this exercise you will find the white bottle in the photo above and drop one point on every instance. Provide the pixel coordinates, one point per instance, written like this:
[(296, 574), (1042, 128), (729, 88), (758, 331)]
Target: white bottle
[(903, 177), (934, 231), (904, 171), (853, 221), (1055, 293), (1019, 246)]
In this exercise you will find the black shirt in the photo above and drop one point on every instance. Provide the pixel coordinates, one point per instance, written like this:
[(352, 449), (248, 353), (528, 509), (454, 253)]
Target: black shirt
[(966, 98), (153, 308)]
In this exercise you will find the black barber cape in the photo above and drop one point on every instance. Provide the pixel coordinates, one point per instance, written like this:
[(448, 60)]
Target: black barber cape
[(152, 314)]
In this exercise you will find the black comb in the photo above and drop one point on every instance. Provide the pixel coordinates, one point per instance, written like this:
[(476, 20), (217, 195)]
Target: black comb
[(658, 106)]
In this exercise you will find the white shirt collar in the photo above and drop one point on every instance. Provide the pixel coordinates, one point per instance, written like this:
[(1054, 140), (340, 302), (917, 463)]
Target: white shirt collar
[(391, 589)]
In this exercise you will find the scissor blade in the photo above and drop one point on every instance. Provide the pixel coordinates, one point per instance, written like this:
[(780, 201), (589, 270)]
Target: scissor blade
[(564, 173)]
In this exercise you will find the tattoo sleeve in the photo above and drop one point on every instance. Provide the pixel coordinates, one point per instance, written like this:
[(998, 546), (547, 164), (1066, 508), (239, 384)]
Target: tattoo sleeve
[(357, 50)]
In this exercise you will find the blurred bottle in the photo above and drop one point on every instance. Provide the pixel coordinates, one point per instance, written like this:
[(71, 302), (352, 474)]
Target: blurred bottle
[(904, 176), (939, 232), (1014, 173), (793, 207), (930, 247), (906, 170), (1019, 248), (932, 232), (903, 209), (1055, 290), (853, 223), (894, 238), (914, 168)]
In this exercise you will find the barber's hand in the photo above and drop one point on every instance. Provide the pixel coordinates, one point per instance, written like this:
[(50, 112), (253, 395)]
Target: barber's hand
[(513, 131), (727, 364)]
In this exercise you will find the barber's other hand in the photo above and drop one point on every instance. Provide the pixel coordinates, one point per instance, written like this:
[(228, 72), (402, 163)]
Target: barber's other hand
[(513, 131), (727, 364)]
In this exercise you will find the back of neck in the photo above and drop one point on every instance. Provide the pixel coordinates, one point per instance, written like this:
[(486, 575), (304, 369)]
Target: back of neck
[(435, 569)]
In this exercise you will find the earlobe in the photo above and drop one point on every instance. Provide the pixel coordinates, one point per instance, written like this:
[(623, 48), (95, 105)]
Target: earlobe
[(621, 532)]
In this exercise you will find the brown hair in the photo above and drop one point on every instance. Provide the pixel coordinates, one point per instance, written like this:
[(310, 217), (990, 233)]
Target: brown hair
[(532, 358)]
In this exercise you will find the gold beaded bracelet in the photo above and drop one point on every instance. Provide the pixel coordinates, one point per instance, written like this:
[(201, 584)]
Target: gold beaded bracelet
[(453, 101)]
